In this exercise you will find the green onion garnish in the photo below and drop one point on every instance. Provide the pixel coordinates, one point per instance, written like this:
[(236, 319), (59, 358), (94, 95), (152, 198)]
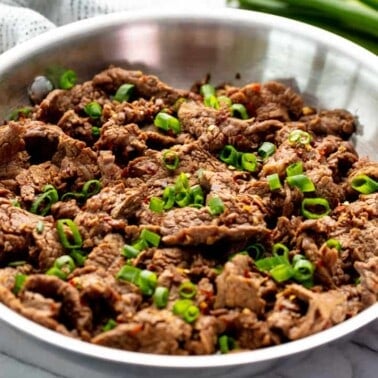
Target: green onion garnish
[(19, 280), (140, 244), (160, 297), (168, 197), (181, 183), (248, 161), (129, 273), (183, 198), (315, 208), (71, 239), (147, 282), (364, 184), (294, 169), (303, 270), (67, 79), (299, 137), (229, 155), (156, 205), (282, 272), (90, 188), (207, 90), (150, 237), (187, 290), (42, 204), (191, 314), (96, 131), (17, 113), (302, 182), (78, 257), (226, 343), (224, 101), (54, 271), (274, 181), (40, 227), (255, 250), (266, 149), (110, 324), (280, 249), (63, 266), (124, 92), (186, 309), (93, 109), (170, 160), (216, 205), (209, 97), (129, 251), (239, 110), (197, 195), (167, 122), (334, 243)]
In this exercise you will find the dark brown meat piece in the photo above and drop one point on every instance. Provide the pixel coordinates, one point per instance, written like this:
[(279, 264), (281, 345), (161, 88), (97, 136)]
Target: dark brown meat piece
[(146, 85)]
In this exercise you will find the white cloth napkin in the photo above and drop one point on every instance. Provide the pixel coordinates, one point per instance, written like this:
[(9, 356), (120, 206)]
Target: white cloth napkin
[(21, 20)]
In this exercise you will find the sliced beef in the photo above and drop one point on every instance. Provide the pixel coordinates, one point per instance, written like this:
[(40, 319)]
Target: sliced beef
[(11, 141), (369, 279), (109, 170), (146, 86), (299, 312)]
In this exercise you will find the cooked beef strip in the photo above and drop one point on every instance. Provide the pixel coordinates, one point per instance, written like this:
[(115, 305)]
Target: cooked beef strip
[(234, 298)]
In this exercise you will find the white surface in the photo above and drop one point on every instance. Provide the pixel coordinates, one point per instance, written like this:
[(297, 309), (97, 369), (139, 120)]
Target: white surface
[(23, 19)]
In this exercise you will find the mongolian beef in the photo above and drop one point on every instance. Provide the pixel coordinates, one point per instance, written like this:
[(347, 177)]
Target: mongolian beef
[(142, 217)]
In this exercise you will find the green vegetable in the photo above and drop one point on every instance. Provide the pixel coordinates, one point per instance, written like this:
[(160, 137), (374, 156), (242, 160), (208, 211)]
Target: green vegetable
[(147, 281), (226, 343), (303, 270), (96, 131), (71, 239), (20, 112), (78, 256), (187, 290), (229, 155), (160, 297), (129, 273), (352, 19), (248, 161), (110, 324), (63, 266), (294, 169), (93, 109), (216, 205), (19, 281), (266, 149), (42, 204), (129, 251), (191, 314), (156, 204), (300, 137), (364, 184), (255, 250), (239, 110), (170, 160), (166, 122), (302, 182), (315, 208), (334, 243), (67, 79), (282, 272), (150, 237), (274, 181), (124, 92)]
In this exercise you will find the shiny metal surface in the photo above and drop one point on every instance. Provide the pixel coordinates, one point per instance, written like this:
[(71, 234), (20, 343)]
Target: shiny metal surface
[(182, 48)]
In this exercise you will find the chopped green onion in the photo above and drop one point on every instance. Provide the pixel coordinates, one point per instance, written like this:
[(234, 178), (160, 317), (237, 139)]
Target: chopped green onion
[(280, 249), (96, 131), (191, 314), (198, 197), (72, 195), (255, 250), (294, 169), (248, 162), (229, 155), (16, 203), (182, 183), (65, 263), (281, 272), (239, 110), (268, 263), (129, 273), (170, 160), (298, 257), (364, 184), (274, 181), (40, 227), (156, 204), (303, 270), (78, 257), (124, 92), (183, 198), (334, 243), (129, 251), (54, 271), (168, 197), (24, 111), (211, 101), (266, 149), (110, 324), (67, 79), (42, 204), (167, 122), (19, 280), (181, 305), (93, 109), (226, 343), (187, 290), (147, 282), (224, 101), (302, 182), (300, 137), (315, 208), (216, 205), (90, 188), (160, 297), (207, 90), (150, 237), (140, 244), (71, 240)]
